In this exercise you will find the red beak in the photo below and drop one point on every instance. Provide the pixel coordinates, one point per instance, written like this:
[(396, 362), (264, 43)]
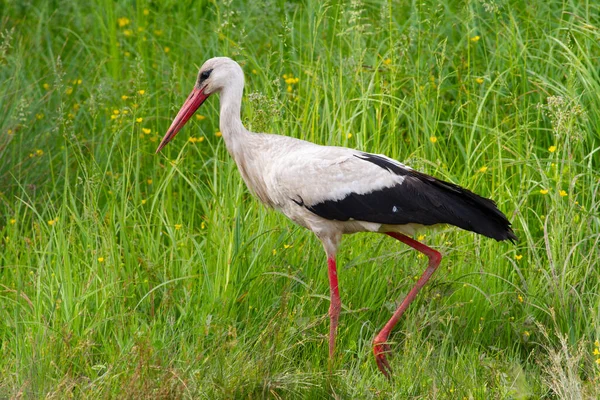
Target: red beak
[(194, 100)]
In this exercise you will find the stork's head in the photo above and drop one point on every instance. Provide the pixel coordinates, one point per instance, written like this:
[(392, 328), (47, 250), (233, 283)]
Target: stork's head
[(215, 75)]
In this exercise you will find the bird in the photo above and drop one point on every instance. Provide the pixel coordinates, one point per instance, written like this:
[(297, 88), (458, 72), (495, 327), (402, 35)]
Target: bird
[(333, 191)]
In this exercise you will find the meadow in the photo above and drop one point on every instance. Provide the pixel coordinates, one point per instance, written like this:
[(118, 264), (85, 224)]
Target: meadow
[(127, 274)]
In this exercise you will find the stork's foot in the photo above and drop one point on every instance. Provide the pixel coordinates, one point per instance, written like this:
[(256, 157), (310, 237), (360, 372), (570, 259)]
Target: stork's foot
[(380, 348)]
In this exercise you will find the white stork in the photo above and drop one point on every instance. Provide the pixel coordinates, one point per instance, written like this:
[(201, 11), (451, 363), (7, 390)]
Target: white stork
[(335, 190)]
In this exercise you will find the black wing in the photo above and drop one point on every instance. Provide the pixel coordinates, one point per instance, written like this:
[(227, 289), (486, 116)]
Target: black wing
[(419, 199)]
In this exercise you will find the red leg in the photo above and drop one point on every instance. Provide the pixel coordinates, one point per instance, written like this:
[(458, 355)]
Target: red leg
[(380, 347), (335, 305)]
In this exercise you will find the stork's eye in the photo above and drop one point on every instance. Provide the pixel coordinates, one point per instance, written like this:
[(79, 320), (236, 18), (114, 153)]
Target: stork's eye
[(205, 74)]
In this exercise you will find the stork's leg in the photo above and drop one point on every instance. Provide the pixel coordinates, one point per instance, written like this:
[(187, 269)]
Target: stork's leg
[(380, 347), (335, 305)]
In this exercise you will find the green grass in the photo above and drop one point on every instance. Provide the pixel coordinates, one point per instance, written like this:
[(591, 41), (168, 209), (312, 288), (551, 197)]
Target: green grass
[(125, 273)]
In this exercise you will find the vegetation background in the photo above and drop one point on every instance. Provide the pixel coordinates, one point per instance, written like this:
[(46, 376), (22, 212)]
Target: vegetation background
[(129, 274)]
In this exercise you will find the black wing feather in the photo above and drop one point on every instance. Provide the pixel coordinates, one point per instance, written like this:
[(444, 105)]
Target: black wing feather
[(420, 199)]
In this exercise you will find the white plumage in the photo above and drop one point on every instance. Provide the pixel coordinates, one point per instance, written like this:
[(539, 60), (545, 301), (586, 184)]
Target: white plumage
[(283, 171), (335, 190)]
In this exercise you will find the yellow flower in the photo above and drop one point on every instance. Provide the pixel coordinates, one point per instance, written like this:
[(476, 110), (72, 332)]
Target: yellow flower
[(433, 139), (76, 106), (141, 92), (562, 193), (475, 39), (598, 361), (53, 221), (200, 117), (543, 191), (479, 80), (146, 131), (520, 298), (10, 131), (100, 259), (46, 86), (144, 201), (69, 90), (123, 21), (202, 225), (218, 134), (79, 81), (124, 97), (482, 169), (127, 32), (421, 237), (196, 140), (287, 246), (116, 112), (158, 32), (518, 256), (178, 226), (146, 11), (13, 221), (289, 88), (167, 49), (387, 61), (274, 251), (113, 117), (149, 181), (349, 136), (254, 72), (596, 352), (39, 116), (39, 152), (139, 119), (526, 333), (552, 149)]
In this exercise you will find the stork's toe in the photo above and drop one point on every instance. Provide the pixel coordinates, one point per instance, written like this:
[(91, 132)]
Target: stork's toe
[(380, 349)]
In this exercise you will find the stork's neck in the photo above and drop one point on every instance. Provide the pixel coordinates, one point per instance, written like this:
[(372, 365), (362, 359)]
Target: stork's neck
[(239, 140), (230, 122)]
